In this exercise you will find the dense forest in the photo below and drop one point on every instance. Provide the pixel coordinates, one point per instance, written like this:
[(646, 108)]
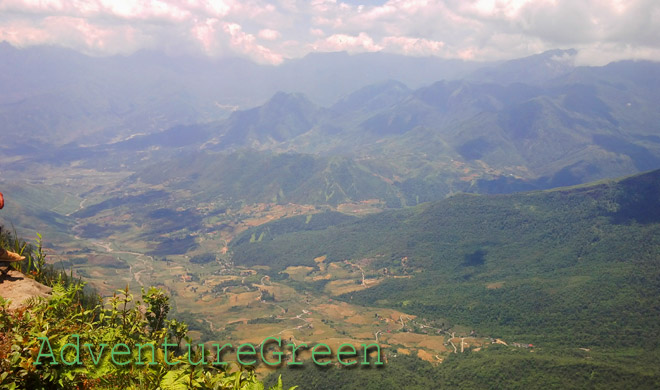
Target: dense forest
[(568, 270)]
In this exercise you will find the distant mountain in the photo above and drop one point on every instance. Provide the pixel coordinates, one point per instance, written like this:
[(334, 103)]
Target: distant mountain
[(59, 96), (282, 118), (535, 122), (327, 77), (376, 97), (536, 69), (590, 123)]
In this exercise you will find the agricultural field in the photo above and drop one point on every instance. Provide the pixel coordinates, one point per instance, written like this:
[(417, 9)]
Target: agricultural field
[(225, 302)]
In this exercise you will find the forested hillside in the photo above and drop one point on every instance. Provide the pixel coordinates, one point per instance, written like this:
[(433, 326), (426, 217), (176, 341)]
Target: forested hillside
[(573, 271)]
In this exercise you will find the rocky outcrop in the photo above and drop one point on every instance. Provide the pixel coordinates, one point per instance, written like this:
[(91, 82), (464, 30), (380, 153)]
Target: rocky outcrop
[(18, 288)]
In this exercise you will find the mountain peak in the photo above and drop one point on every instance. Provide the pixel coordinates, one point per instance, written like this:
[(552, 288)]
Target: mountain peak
[(283, 117), (535, 69), (281, 97), (376, 96)]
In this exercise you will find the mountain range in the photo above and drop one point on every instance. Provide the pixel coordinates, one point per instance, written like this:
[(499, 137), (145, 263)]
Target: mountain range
[(536, 122), (456, 189), (57, 96)]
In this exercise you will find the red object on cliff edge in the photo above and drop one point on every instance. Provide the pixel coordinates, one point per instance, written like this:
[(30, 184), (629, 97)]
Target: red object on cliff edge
[(2, 201)]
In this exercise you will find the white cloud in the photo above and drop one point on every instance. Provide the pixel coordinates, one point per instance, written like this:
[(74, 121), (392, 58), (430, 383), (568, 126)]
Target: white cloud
[(205, 32), (350, 43), (317, 32), (245, 43), (477, 29), (269, 35), (413, 46)]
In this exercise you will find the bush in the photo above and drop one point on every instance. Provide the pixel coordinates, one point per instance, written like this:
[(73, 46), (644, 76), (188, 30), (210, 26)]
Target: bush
[(203, 258)]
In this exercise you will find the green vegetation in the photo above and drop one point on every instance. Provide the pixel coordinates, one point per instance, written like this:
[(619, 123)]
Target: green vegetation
[(495, 368), (563, 269), (35, 260), (36, 335), (573, 271), (263, 177), (285, 226), (174, 246), (203, 258)]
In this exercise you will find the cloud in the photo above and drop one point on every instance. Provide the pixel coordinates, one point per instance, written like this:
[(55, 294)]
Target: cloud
[(317, 32), (350, 43), (245, 43), (269, 35), (205, 32), (269, 31), (413, 46)]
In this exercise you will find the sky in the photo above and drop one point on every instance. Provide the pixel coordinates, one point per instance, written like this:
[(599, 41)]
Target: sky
[(269, 32)]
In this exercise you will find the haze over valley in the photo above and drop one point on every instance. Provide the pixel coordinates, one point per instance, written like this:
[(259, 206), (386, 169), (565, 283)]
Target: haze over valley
[(489, 220)]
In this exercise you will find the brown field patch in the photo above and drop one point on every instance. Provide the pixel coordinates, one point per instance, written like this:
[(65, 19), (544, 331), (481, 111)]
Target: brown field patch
[(213, 302), (95, 273), (372, 282), (409, 340), (106, 261), (424, 355), (395, 316), (473, 342), (282, 292), (364, 335), (369, 206), (339, 311), (360, 319), (256, 333), (206, 298), (338, 287), (340, 271), (298, 272), (494, 286), (434, 343), (366, 261), (243, 299)]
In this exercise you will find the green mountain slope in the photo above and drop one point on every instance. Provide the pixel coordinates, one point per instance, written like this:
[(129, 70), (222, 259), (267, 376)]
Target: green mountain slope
[(561, 125), (573, 267), (250, 176), (283, 117), (581, 124)]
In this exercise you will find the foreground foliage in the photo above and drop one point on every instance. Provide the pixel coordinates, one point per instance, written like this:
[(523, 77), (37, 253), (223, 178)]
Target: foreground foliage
[(119, 319), (145, 322)]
